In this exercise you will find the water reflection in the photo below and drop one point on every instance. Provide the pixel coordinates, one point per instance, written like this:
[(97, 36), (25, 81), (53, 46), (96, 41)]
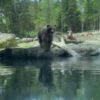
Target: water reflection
[(19, 85), (43, 82), (46, 74)]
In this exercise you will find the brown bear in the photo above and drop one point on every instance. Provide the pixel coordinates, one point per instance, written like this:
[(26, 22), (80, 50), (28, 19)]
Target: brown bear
[(45, 36)]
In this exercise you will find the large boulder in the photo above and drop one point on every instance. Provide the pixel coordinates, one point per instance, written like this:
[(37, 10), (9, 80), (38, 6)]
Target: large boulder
[(7, 40), (34, 52), (88, 48)]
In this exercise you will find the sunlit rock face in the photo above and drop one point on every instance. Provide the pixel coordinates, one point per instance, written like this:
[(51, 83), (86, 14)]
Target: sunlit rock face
[(7, 40)]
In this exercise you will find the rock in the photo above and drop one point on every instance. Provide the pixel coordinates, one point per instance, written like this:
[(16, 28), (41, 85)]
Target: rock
[(61, 52), (35, 52), (95, 53), (7, 40), (87, 49), (91, 52)]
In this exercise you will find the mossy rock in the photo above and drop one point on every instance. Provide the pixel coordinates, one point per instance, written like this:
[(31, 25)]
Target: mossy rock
[(7, 40)]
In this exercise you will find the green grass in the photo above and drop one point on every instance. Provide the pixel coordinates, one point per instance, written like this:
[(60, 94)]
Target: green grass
[(28, 45)]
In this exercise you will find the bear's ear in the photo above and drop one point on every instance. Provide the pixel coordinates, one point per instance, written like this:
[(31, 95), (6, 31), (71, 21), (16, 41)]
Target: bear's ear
[(48, 26)]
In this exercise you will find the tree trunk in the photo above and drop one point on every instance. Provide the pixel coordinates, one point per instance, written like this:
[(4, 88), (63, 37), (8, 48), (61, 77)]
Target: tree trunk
[(94, 26), (82, 26), (99, 23)]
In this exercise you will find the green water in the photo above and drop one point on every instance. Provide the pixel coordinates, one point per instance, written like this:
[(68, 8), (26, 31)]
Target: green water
[(59, 79)]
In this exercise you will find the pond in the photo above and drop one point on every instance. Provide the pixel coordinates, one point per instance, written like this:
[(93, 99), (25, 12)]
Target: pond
[(58, 79)]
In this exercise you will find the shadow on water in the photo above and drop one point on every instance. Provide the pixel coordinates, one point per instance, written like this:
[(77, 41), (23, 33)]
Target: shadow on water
[(50, 79)]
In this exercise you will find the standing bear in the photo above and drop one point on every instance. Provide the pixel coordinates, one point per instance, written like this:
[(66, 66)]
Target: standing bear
[(45, 36)]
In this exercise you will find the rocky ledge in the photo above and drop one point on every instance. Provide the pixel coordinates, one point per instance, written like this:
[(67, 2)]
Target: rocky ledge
[(70, 50), (7, 40), (60, 48)]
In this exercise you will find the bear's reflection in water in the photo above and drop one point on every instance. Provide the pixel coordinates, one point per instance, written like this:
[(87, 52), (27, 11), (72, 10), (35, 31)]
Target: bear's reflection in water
[(46, 74)]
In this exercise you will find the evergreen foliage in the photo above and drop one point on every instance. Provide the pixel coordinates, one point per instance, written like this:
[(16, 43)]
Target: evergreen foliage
[(23, 17)]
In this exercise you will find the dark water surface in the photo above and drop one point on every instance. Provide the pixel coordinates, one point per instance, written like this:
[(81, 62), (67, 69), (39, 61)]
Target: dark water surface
[(59, 79)]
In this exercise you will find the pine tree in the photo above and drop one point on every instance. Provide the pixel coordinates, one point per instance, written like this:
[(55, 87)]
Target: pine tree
[(64, 15), (70, 16)]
